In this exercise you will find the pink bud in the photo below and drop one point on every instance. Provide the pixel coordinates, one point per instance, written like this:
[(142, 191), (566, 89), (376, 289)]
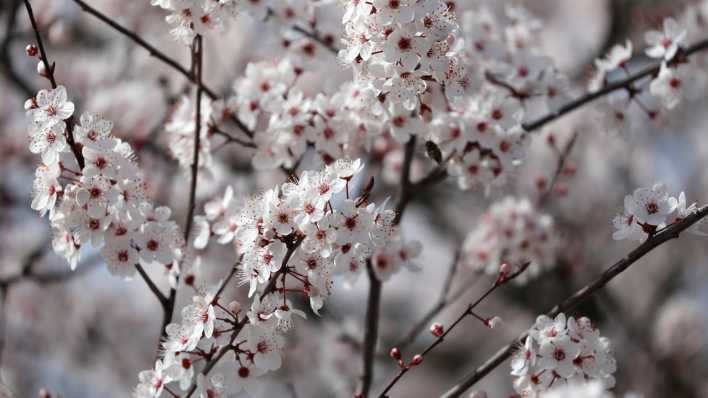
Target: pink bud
[(31, 50), (478, 394), (436, 329), (561, 190), (417, 360), (551, 139), (570, 169), (395, 353), (541, 183)]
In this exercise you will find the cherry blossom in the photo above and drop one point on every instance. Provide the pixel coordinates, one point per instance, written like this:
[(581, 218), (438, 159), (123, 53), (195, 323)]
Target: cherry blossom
[(666, 43)]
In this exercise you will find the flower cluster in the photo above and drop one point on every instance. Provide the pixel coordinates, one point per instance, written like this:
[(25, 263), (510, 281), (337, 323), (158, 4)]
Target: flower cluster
[(648, 210), (104, 204), (180, 129), (287, 121), (676, 79), (295, 235), (329, 239), (395, 47), (511, 232), (191, 17), (558, 352)]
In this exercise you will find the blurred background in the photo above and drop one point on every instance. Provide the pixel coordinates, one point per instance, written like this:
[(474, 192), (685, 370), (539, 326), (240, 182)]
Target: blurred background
[(87, 334)]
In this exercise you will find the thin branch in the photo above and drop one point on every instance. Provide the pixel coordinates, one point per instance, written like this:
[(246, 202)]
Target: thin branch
[(5, 59), (197, 60), (153, 287), (160, 56), (405, 194), (446, 298), (50, 75), (3, 321), (371, 329), (562, 158), (668, 233), (198, 55), (651, 70), (440, 173), (500, 281), (374, 301), (316, 37), (270, 288)]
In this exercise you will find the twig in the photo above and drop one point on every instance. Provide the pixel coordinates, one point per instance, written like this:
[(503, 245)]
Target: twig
[(670, 232), (50, 75), (500, 281), (3, 321), (446, 297), (316, 37), (5, 58), (160, 56), (619, 85), (197, 57), (562, 158), (270, 288)]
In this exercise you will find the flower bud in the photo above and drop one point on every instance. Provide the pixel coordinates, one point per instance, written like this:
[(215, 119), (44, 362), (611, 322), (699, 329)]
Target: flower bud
[(41, 69), (31, 50), (417, 360), (395, 353), (541, 183), (478, 394), (570, 169), (437, 329), (494, 322), (551, 139)]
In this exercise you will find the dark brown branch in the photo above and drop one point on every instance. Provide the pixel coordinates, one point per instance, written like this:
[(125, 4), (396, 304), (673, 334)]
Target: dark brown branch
[(49, 68), (153, 287), (500, 281), (371, 329), (626, 83), (160, 56), (668, 233), (197, 60), (5, 59), (405, 194), (374, 301)]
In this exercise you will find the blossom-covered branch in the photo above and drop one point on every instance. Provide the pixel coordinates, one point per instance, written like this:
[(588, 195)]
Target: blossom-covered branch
[(662, 236)]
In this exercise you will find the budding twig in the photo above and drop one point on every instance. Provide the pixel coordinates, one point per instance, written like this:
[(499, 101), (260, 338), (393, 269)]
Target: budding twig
[(501, 280), (49, 67)]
